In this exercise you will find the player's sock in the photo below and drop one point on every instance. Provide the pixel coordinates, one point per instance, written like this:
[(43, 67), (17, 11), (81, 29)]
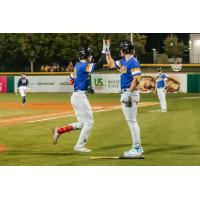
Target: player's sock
[(77, 125), (84, 135), (23, 100), (65, 129), (135, 132)]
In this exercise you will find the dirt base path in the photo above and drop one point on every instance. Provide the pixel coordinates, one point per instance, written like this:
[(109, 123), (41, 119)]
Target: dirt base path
[(55, 111), (3, 148)]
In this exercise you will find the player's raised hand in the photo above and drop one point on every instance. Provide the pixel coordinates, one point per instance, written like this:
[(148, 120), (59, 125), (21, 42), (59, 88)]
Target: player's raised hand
[(104, 46), (108, 47), (108, 44)]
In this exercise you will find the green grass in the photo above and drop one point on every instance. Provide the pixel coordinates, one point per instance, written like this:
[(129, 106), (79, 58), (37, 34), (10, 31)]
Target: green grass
[(170, 138)]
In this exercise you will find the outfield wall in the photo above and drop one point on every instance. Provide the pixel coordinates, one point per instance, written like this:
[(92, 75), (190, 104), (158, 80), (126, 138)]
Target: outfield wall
[(110, 83), (102, 83), (47, 83)]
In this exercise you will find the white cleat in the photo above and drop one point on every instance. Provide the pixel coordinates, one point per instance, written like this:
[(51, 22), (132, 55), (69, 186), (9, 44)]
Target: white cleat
[(82, 150), (55, 135), (135, 152)]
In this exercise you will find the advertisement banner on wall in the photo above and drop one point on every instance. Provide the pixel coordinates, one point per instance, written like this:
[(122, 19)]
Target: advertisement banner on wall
[(47, 83), (110, 83), (99, 83), (113, 83), (175, 83), (3, 84)]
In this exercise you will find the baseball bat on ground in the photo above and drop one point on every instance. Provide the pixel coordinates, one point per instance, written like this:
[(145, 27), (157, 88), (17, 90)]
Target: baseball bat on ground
[(114, 157)]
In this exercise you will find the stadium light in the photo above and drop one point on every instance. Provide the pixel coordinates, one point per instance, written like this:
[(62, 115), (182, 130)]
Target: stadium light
[(131, 37), (154, 55)]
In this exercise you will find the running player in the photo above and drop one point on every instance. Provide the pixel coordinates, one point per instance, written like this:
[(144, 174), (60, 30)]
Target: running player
[(130, 78), (22, 87), (79, 99)]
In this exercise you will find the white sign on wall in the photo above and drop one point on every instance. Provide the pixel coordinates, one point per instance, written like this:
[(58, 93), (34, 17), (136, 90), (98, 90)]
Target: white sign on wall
[(106, 83), (113, 83), (102, 83), (98, 82), (47, 83)]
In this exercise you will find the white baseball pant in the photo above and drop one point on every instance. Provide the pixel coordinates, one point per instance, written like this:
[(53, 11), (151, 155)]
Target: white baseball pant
[(162, 98), (22, 91), (130, 114), (83, 112)]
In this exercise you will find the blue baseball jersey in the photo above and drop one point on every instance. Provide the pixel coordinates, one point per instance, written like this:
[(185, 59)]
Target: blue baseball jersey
[(22, 82), (81, 75), (160, 80), (129, 69)]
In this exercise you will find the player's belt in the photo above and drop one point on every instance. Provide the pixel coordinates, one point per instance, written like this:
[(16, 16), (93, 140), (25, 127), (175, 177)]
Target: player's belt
[(124, 90), (79, 91)]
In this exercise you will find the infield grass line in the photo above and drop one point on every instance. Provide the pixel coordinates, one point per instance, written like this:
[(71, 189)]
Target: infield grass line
[(39, 120), (143, 104)]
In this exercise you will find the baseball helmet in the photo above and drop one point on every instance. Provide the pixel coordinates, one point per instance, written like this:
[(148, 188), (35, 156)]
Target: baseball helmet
[(127, 47), (85, 52)]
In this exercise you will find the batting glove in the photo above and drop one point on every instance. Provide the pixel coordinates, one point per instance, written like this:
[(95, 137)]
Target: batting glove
[(108, 47), (104, 46)]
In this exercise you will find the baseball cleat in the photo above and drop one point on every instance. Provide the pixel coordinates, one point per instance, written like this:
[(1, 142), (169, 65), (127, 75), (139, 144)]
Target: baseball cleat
[(82, 150), (135, 152), (56, 135)]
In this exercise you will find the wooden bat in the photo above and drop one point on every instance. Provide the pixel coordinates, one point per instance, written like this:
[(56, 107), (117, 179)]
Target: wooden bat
[(115, 157)]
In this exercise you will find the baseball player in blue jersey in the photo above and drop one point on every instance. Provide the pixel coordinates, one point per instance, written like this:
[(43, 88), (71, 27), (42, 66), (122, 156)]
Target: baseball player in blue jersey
[(79, 99), (130, 79), (22, 87), (161, 89)]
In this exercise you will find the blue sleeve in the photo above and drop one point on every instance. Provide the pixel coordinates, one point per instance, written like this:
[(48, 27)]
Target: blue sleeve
[(164, 76), (27, 82), (18, 84), (135, 69)]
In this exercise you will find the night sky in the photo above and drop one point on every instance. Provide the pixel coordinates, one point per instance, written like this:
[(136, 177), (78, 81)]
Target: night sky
[(155, 40)]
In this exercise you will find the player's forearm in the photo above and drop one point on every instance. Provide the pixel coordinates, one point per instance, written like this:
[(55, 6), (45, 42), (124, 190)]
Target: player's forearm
[(18, 84), (165, 84), (134, 84), (110, 61), (100, 63)]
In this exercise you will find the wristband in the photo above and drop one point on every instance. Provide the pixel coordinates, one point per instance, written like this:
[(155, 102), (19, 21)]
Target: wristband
[(103, 51)]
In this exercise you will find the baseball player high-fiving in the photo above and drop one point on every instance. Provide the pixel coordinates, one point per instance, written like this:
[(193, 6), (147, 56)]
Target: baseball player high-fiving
[(79, 99), (161, 87), (130, 78), (22, 87)]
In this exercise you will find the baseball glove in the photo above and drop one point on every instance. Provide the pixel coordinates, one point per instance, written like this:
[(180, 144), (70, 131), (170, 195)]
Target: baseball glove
[(90, 90)]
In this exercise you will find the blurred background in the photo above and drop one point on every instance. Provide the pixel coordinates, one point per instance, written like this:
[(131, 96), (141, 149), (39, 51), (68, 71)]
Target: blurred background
[(52, 52)]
